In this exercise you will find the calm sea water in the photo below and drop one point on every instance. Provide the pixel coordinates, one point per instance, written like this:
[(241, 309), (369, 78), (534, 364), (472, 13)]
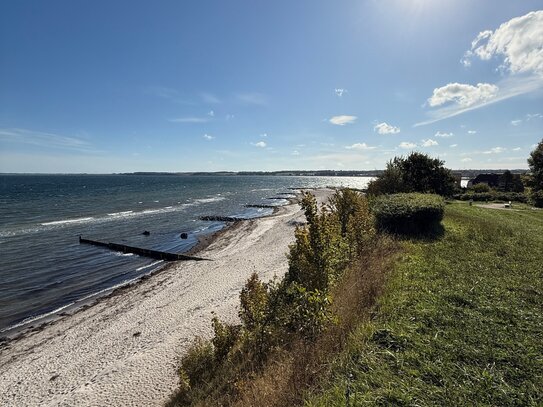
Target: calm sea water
[(44, 269)]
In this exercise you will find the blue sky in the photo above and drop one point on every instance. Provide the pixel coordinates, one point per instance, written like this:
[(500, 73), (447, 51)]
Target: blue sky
[(118, 86)]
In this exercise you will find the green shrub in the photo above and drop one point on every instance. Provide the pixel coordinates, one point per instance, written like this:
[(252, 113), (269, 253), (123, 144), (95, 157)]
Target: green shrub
[(536, 198), (319, 252), (492, 196), (511, 196), (225, 336), (411, 213), (415, 173), (275, 315), (197, 365), (481, 187), (355, 217)]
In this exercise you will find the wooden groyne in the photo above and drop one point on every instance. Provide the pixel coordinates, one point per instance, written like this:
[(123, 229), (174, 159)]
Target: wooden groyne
[(215, 218), (155, 254), (262, 206)]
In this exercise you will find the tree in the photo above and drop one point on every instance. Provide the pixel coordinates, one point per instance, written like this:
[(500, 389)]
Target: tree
[(416, 173), (510, 182), (535, 161)]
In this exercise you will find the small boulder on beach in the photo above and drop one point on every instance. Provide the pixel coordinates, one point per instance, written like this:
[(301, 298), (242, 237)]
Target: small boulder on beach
[(184, 235)]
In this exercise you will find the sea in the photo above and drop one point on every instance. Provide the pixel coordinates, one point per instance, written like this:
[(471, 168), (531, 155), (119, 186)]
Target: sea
[(44, 270)]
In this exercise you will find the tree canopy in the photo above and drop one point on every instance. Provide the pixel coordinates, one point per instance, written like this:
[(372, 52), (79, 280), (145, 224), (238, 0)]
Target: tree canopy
[(535, 161), (417, 172)]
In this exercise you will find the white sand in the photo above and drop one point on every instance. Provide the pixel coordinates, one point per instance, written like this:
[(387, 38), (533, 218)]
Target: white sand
[(93, 358)]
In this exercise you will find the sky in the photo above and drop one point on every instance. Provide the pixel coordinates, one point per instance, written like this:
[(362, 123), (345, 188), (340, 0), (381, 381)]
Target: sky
[(102, 86)]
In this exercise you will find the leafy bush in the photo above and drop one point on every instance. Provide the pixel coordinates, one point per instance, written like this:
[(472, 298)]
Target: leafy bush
[(357, 223), (411, 213), (416, 173), (197, 364), (319, 250), (274, 315), (481, 187), (536, 198)]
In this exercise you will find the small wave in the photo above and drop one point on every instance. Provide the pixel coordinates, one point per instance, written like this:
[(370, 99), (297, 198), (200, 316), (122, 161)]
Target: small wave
[(123, 213), (119, 254), (37, 317), (208, 200), (149, 265), (91, 219), (68, 221)]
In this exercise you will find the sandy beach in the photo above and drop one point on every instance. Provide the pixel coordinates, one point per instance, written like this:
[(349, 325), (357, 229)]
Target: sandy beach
[(124, 349)]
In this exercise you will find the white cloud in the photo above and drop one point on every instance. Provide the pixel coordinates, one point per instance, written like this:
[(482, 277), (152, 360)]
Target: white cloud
[(384, 128), (342, 120), (517, 149), (472, 131), (208, 137), (495, 150), (454, 145), (295, 152), (211, 113), (429, 143), (462, 94), (264, 135), (478, 98), (407, 145), (260, 144), (359, 146), (340, 91), (534, 116), (442, 134), (516, 122), (466, 160), (519, 41), (189, 120)]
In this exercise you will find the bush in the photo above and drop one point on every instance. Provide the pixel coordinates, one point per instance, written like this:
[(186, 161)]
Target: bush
[(536, 198), (278, 314), (416, 173), (492, 196), (411, 213), (481, 187)]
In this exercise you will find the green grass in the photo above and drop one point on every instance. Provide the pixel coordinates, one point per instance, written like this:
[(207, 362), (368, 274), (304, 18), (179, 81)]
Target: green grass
[(460, 322)]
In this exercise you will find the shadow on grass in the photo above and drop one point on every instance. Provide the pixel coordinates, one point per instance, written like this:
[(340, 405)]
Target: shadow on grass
[(420, 233)]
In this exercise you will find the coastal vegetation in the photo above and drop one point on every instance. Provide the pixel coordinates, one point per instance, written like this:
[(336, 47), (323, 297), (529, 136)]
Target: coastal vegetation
[(291, 328), (535, 181), (415, 173), (394, 298), (459, 322), (412, 213)]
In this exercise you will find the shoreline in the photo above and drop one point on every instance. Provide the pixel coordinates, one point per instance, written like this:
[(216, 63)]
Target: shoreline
[(40, 322), (123, 349)]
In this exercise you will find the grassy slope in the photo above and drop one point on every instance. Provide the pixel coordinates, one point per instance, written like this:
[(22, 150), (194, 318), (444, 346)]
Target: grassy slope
[(460, 323)]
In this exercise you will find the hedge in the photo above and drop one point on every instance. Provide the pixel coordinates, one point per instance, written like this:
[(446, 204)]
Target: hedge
[(408, 213), (492, 196)]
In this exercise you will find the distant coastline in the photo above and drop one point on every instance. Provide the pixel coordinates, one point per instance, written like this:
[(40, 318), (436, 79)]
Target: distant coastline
[(285, 173)]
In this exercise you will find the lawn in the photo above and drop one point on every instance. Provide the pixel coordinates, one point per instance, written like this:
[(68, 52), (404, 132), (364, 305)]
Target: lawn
[(460, 322)]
